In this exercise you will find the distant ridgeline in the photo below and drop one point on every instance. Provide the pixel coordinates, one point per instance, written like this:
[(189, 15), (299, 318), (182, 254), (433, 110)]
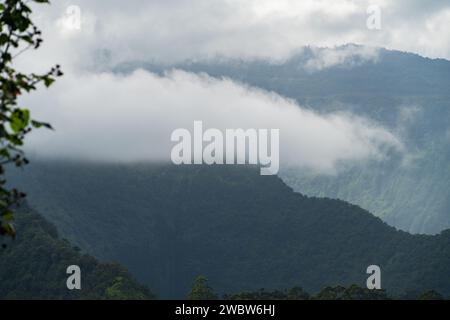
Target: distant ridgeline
[(167, 224), (33, 266), (404, 92)]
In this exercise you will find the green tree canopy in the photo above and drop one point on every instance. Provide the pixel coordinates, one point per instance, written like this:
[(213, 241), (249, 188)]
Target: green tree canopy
[(201, 290), (431, 295)]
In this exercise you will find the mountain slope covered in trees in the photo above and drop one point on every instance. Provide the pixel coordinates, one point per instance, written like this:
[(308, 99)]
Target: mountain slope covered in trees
[(168, 224), (33, 266)]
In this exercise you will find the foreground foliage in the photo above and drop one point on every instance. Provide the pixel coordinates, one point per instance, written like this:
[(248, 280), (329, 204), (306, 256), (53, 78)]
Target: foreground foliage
[(17, 34), (352, 292), (34, 267)]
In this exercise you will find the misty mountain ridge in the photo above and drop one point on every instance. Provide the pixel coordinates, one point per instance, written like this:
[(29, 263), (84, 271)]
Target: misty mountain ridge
[(349, 64), (404, 92)]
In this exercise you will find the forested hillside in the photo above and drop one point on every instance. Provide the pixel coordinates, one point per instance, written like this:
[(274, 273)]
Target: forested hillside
[(168, 224), (33, 266)]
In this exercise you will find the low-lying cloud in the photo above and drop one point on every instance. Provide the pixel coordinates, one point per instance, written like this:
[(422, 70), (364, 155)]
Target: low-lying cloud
[(346, 56), (110, 117)]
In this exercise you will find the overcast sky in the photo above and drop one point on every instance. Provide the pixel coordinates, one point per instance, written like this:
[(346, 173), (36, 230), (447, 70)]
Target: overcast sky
[(91, 107), (173, 30)]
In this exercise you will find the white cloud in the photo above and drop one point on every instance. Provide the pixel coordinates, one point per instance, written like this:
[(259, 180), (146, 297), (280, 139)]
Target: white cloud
[(130, 118), (408, 115), (348, 56)]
